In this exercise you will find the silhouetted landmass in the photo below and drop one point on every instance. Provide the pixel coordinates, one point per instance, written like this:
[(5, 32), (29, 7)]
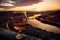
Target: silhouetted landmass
[(39, 33), (34, 33), (51, 18), (31, 33)]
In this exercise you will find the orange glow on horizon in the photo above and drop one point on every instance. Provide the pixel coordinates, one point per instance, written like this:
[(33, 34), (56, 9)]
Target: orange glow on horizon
[(42, 6)]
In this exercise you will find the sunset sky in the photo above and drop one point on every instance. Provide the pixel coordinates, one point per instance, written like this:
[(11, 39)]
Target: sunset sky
[(45, 5)]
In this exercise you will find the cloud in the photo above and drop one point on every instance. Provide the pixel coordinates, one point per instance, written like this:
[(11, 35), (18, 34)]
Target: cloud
[(22, 2), (46, 5), (26, 2)]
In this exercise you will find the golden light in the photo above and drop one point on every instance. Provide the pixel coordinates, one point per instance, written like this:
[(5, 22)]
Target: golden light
[(41, 6)]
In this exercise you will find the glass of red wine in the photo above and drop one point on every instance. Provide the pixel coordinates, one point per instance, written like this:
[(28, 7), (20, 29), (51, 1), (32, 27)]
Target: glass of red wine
[(17, 21)]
